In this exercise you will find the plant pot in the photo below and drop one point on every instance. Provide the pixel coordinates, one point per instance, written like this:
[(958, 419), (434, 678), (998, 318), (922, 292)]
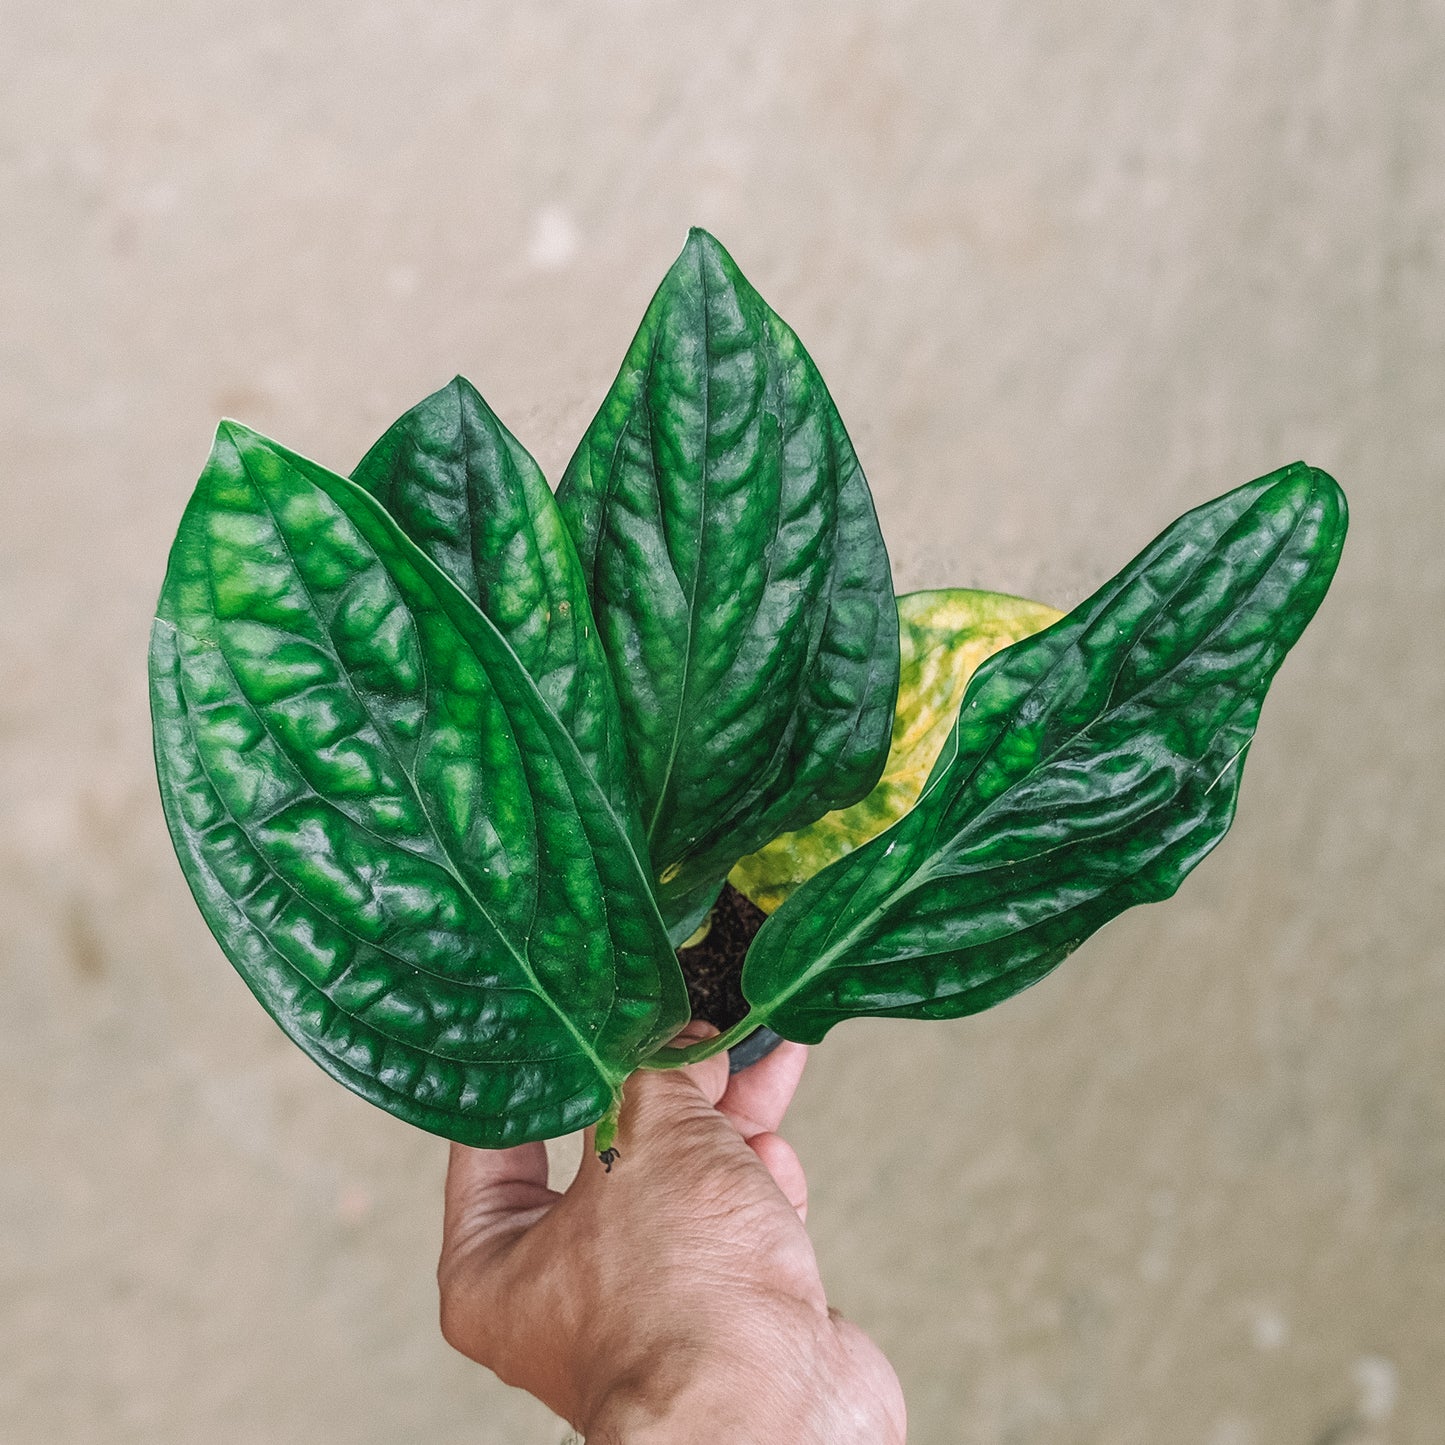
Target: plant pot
[(757, 1045)]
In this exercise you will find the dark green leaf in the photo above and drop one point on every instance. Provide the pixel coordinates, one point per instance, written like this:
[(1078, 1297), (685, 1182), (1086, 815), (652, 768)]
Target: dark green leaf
[(943, 638), (465, 490), (390, 833), (1091, 767), (738, 579)]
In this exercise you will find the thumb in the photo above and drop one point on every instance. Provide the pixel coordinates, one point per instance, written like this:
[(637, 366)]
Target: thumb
[(667, 1113), (709, 1077)]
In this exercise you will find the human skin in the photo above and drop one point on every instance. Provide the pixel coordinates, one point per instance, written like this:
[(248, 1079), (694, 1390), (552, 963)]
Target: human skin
[(676, 1298)]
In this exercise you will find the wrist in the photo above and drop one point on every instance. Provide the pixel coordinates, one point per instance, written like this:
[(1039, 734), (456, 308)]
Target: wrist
[(656, 1399), (646, 1413), (699, 1394)]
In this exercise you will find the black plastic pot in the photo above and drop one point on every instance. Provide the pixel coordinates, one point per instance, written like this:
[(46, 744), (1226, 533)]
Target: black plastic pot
[(757, 1045)]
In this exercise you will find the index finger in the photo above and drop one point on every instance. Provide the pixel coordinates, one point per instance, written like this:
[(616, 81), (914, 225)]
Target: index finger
[(756, 1099), (489, 1189)]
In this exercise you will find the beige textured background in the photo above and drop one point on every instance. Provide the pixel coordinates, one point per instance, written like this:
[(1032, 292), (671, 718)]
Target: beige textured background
[(1069, 268)]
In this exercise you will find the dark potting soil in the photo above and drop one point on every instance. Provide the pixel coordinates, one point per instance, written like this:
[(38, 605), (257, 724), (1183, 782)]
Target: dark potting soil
[(713, 969)]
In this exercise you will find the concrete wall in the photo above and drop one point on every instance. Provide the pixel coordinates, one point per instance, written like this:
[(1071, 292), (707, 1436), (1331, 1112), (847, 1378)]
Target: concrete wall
[(1069, 268)]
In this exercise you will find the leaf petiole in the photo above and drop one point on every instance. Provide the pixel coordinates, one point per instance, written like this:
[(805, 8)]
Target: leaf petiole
[(607, 1131), (678, 1058)]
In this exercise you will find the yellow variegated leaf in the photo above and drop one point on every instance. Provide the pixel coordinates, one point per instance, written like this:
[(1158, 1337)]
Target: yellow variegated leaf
[(943, 637)]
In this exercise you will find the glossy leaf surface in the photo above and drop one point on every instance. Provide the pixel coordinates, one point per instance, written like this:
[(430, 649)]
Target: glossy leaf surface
[(467, 492), (1092, 766), (943, 637), (738, 578), (391, 834)]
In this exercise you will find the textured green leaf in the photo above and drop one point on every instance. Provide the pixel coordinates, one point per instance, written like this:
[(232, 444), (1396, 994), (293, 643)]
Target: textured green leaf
[(391, 834), (738, 578), (943, 637), (467, 492), (1091, 767)]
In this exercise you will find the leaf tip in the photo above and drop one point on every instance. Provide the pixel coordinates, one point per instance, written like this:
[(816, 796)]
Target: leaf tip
[(702, 246), (460, 386), (1331, 496), (1317, 495), (235, 436)]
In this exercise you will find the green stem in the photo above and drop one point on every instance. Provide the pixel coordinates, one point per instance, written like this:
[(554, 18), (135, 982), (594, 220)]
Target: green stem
[(670, 1058), (607, 1125)]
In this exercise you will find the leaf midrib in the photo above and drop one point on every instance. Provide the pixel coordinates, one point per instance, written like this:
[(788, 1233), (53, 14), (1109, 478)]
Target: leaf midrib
[(520, 958), (1203, 818), (829, 951), (440, 584), (701, 544), (184, 718)]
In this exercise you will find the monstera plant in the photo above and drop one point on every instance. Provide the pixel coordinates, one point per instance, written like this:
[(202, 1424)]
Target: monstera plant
[(459, 772)]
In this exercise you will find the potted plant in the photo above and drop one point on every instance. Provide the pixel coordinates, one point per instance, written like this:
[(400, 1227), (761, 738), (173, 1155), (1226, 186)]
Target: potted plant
[(459, 772)]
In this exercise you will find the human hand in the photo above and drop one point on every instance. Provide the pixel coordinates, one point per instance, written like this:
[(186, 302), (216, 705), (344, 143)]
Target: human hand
[(677, 1298)]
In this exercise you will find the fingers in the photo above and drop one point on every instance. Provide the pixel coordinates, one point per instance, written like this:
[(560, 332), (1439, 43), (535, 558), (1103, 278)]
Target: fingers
[(699, 1112), (673, 1109), (755, 1102), (492, 1197), (663, 1108), (490, 1189), (699, 1099), (701, 1084), (711, 1075), (756, 1099), (666, 1112), (782, 1163)]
